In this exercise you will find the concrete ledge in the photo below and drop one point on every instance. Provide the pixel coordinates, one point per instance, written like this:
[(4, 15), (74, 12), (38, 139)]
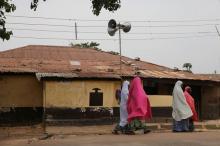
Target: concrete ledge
[(166, 126), (82, 122), (199, 126), (37, 130), (212, 127)]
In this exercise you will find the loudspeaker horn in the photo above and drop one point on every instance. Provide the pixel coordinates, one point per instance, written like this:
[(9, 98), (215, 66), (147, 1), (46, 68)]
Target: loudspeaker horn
[(112, 24), (126, 27), (112, 27), (112, 31)]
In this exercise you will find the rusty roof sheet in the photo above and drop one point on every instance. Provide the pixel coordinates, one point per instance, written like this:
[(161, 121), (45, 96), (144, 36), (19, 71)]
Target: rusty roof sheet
[(60, 61), (215, 77)]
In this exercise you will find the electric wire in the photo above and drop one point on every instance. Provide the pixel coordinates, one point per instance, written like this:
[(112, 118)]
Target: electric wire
[(146, 20), (103, 39), (137, 33)]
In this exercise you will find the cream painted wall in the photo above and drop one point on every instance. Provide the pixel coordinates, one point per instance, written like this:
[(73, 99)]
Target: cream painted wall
[(20, 91), (161, 100), (73, 94), (76, 93)]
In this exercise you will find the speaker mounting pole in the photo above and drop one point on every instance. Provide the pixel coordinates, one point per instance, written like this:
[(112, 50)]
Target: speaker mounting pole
[(119, 32), (112, 28)]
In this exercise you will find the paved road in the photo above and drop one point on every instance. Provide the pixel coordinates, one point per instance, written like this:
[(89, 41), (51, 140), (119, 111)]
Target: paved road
[(151, 139)]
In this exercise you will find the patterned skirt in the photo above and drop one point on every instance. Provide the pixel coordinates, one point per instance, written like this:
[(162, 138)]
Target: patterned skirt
[(181, 126), (133, 127), (137, 124)]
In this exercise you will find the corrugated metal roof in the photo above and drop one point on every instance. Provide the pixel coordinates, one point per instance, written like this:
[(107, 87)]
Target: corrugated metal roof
[(215, 77), (59, 61), (62, 75)]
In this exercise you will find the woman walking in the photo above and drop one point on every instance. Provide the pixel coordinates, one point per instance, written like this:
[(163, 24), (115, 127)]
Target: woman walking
[(122, 126), (181, 110), (191, 103), (138, 106)]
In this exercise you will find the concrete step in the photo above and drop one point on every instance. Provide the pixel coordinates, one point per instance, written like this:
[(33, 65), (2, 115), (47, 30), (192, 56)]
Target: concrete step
[(37, 130)]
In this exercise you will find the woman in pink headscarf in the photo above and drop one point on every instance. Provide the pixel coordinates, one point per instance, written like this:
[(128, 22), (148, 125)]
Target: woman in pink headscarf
[(138, 106), (191, 103)]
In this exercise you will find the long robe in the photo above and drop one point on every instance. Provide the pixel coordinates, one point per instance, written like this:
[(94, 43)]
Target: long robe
[(181, 109), (191, 103), (138, 104), (123, 104)]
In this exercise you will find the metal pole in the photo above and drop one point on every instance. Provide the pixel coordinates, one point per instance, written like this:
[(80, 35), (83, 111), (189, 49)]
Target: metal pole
[(120, 46), (217, 30), (44, 108), (76, 31)]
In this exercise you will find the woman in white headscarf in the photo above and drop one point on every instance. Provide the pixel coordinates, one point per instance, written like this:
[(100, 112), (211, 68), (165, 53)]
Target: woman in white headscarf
[(181, 110), (123, 104), (123, 109)]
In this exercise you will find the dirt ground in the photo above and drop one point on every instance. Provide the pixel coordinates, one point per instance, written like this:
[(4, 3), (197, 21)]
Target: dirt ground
[(151, 139)]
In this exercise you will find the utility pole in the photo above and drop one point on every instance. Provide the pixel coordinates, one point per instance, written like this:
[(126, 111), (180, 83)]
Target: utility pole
[(219, 37), (76, 31), (217, 30)]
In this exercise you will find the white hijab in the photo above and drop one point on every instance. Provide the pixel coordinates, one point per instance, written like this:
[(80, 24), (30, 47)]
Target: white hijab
[(123, 104), (181, 109)]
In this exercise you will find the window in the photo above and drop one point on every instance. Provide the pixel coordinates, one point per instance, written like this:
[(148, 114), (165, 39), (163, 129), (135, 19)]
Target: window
[(96, 98)]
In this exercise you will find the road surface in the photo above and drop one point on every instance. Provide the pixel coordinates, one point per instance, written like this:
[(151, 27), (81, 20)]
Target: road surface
[(151, 139)]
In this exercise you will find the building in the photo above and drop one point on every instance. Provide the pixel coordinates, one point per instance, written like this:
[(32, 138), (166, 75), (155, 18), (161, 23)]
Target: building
[(58, 83)]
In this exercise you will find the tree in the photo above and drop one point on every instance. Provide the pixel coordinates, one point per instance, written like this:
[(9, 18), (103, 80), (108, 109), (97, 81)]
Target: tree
[(188, 66), (86, 45), (6, 6), (110, 5)]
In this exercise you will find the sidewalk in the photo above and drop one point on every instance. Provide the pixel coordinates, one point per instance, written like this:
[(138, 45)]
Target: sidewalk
[(37, 130), (107, 129)]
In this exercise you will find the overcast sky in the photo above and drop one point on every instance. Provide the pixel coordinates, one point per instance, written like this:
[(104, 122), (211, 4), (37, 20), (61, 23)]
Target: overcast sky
[(164, 32)]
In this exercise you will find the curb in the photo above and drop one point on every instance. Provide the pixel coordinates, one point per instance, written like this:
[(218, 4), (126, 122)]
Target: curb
[(93, 130)]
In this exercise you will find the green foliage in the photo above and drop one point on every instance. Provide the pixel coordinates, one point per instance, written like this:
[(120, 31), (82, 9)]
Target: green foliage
[(86, 45), (5, 7), (34, 4), (97, 5), (111, 5)]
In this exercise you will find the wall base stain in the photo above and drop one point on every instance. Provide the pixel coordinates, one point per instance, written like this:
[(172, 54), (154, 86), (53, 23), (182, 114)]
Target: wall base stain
[(20, 116), (162, 111), (95, 115), (79, 113), (68, 116)]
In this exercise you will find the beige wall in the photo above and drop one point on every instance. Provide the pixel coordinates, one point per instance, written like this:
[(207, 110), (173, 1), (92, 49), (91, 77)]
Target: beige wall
[(76, 93), (210, 102), (160, 100), (20, 91)]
